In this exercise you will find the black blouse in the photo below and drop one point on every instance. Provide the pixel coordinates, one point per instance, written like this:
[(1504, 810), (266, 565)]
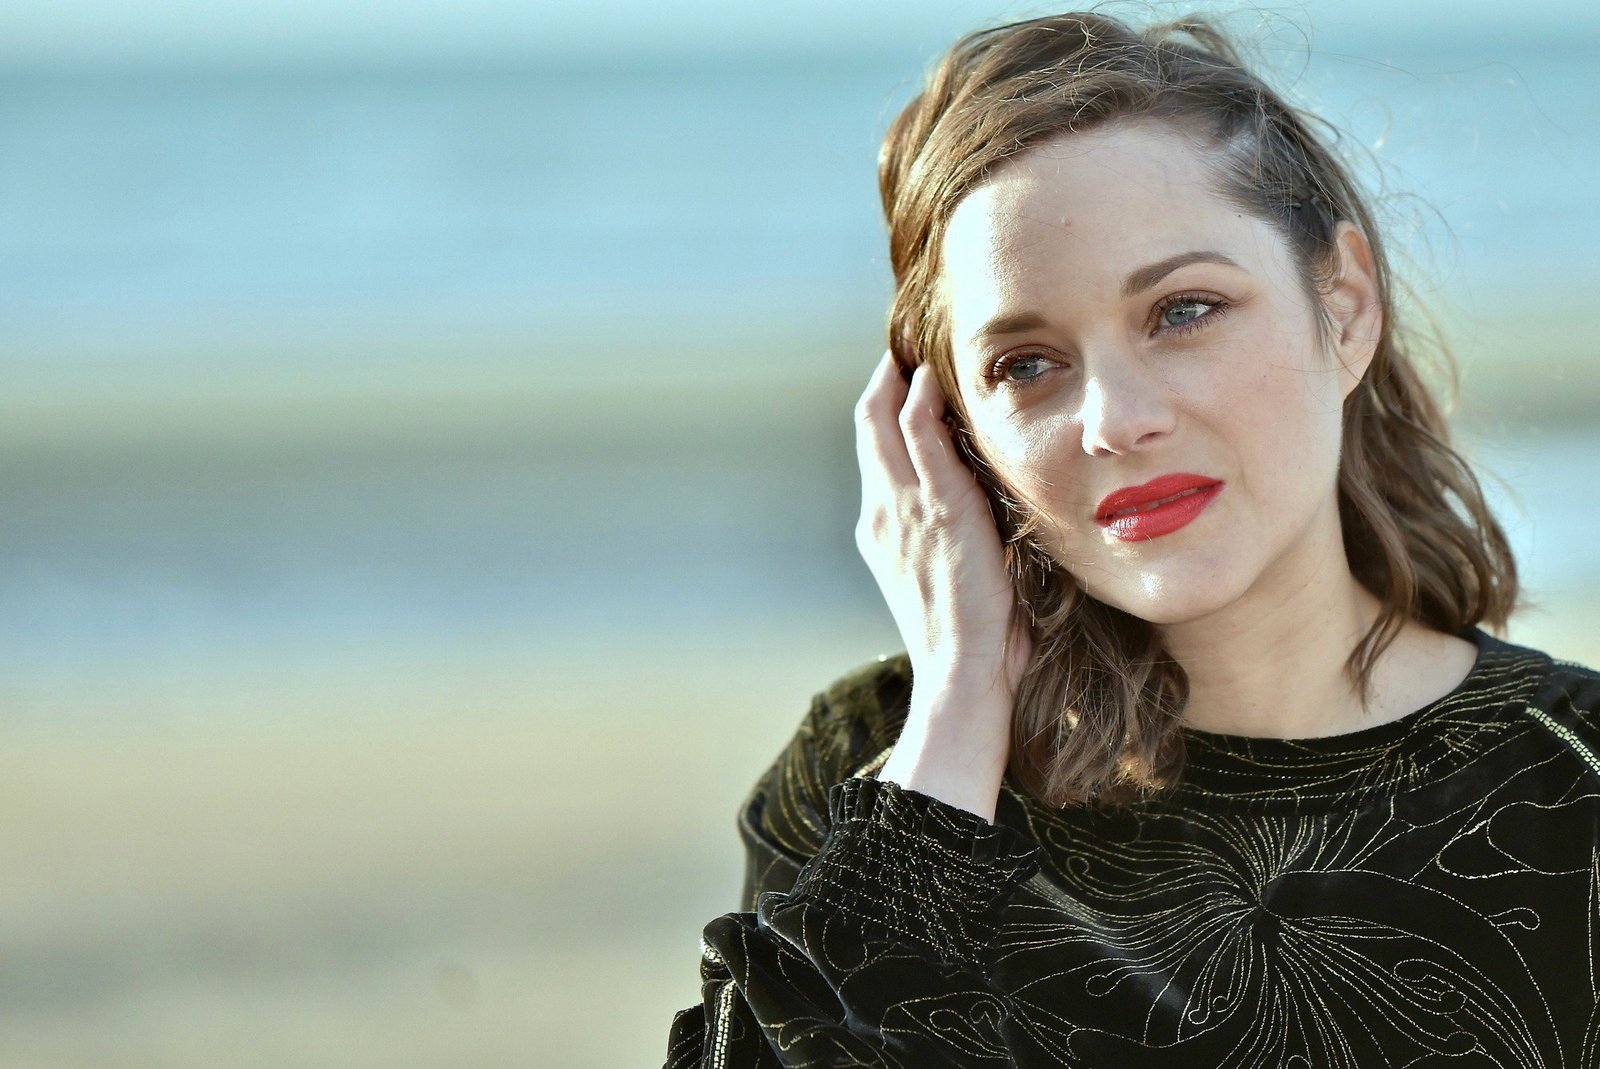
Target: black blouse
[(1424, 892)]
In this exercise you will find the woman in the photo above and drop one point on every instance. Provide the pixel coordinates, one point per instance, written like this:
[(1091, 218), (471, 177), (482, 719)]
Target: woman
[(1198, 754)]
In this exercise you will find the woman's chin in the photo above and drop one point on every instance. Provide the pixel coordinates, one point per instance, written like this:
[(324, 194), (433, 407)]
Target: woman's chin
[(1167, 601)]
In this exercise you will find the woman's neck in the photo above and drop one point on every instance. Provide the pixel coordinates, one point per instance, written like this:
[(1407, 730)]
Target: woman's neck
[(1276, 668)]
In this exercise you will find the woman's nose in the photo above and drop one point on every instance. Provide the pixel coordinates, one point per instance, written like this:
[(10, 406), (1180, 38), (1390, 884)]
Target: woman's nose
[(1125, 407)]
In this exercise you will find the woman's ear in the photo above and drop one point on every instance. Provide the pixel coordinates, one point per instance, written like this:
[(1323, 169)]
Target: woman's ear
[(1354, 306)]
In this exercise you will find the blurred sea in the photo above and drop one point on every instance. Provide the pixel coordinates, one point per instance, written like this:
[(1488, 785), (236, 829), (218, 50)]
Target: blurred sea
[(547, 194)]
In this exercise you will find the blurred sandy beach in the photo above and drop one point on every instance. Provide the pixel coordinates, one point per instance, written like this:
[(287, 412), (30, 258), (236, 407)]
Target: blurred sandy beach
[(451, 863), (482, 862)]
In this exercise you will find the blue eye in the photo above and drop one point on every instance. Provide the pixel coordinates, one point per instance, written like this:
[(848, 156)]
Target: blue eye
[(1184, 304), (1181, 307), (1018, 369), (1031, 367)]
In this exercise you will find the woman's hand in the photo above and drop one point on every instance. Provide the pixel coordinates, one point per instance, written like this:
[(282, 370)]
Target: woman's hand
[(928, 537)]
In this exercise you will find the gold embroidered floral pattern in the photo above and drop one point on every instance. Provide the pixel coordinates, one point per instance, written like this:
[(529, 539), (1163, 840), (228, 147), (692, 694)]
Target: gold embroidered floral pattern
[(1426, 891)]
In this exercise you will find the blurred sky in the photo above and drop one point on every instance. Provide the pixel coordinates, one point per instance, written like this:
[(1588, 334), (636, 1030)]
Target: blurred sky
[(296, 31)]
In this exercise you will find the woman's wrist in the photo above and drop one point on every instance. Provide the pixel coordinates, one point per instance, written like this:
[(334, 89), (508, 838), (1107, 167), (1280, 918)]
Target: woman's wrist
[(954, 747)]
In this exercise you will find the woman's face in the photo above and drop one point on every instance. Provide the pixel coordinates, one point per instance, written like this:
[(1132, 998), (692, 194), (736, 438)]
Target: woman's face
[(1116, 326)]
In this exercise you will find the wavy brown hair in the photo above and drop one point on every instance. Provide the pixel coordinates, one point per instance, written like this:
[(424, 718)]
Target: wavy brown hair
[(1097, 715)]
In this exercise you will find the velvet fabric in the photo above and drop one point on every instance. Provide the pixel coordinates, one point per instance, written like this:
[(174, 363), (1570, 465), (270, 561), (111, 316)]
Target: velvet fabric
[(1424, 892)]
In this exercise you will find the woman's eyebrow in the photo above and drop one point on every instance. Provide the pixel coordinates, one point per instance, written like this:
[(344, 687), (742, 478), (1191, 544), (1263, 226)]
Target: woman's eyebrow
[(1143, 278), (1137, 281)]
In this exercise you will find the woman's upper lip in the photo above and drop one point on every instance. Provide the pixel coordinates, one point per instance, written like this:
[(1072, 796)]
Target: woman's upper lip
[(1157, 488)]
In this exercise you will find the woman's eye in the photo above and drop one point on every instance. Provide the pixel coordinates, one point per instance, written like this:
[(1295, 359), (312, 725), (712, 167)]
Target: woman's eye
[(1025, 367), (1182, 313)]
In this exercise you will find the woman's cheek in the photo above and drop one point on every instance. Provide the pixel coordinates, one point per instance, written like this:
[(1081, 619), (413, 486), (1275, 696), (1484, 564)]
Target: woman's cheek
[(1022, 455), (1055, 466)]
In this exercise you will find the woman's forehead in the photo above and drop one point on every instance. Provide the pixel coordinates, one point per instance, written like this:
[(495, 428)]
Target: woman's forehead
[(1085, 212), (1105, 185)]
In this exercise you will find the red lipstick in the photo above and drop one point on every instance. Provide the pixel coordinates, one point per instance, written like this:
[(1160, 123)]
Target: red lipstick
[(1155, 508)]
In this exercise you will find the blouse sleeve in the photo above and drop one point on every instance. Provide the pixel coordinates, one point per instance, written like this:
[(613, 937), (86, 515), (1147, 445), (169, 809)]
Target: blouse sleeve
[(877, 955), (849, 730)]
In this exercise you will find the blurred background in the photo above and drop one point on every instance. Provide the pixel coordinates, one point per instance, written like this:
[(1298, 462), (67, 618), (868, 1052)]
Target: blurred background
[(426, 479)]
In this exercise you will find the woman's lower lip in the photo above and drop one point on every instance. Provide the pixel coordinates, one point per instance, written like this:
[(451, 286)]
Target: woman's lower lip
[(1142, 526)]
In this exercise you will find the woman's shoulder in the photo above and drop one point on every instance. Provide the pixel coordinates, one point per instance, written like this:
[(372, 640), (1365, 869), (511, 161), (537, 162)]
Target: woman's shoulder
[(858, 716), (849, 730), (1562, 696), (1570, 685), (1517, 671), (1576, 673)]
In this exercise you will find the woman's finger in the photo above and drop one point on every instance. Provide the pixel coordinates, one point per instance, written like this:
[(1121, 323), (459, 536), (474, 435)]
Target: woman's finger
[(926, 438), (880, 447)]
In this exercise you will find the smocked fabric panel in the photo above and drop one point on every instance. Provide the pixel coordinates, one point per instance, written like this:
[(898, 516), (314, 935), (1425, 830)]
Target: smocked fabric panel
[(971, 863), (1421, 892)]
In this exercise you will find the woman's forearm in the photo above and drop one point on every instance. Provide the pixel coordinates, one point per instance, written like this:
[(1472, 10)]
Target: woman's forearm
[(954, 746)]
